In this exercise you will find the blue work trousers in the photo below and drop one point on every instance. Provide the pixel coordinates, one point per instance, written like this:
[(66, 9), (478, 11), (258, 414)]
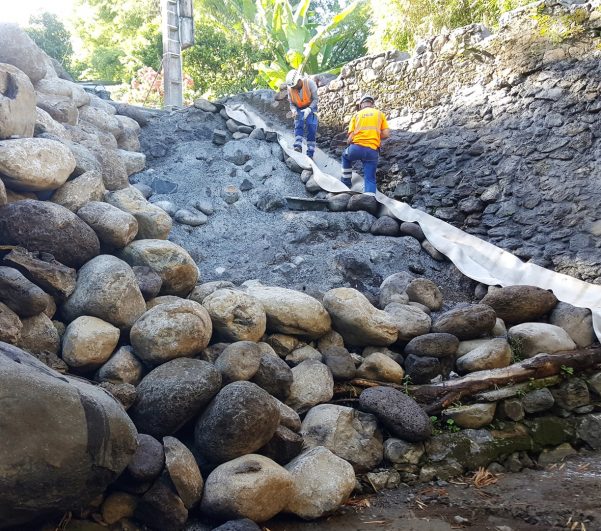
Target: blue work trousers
[(369, 158), (299, 131)]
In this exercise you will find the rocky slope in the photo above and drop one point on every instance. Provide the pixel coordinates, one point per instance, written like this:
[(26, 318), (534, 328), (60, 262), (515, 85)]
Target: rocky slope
[(498, 134), (137, 395)]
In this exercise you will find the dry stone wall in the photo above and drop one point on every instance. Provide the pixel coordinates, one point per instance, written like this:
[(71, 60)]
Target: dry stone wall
[(496, 134)]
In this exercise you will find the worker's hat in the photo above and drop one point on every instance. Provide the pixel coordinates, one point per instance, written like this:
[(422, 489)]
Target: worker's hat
[(292, 78), (367, 97)]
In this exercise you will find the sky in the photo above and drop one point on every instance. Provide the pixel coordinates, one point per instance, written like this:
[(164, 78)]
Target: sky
[(19, 11)]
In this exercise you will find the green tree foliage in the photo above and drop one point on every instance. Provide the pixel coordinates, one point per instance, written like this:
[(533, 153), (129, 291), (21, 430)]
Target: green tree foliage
[(219, 63), (51, 35), (119, 37), (398, 24), (293, 34)]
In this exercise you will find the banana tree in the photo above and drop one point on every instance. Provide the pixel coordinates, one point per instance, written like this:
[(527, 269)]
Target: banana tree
[(299, 44)]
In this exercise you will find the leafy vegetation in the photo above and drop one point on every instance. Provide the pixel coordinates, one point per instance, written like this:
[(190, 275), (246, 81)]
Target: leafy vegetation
[(247, 44), (399, 24), (51, 35)]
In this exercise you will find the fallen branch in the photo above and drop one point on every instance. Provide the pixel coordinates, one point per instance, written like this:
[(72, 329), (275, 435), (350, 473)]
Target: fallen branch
[(442, 395)]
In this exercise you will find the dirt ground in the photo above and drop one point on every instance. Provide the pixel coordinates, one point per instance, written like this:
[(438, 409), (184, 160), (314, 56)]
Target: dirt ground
[(562, 496)]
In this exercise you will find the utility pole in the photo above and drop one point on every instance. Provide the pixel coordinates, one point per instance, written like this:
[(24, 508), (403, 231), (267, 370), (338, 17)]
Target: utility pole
[(178, 34)]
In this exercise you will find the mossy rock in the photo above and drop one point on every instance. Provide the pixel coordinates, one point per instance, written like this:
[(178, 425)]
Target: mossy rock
[(550, 431)]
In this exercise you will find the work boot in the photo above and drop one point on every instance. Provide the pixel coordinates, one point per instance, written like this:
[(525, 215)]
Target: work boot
[(310, 154), (298, 148)]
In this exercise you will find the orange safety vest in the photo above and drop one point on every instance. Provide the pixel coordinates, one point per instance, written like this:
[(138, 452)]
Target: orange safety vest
[(301, 101)]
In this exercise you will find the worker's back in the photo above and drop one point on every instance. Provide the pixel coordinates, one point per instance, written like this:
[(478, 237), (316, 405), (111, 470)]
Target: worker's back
[(366, 126)]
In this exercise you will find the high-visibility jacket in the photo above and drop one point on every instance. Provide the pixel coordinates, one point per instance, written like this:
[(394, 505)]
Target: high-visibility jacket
[(366, 127), (301, 100)]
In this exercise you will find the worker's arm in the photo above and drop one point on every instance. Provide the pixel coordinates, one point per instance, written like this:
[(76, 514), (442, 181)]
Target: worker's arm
[(313, 89), (385, 133)]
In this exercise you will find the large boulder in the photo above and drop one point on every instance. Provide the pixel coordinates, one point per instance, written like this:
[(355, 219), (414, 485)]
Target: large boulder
[(393, 288), (350, 434), (380, 367), (17, 103), (313, 497), (114, 172), (122, 368), (274, 375), (436, 345), (241, 419), (43, 270), (359, 322), (239, 361), (174, 265), (71, 441), (76, 193), (35, 164), (399, 413), (44, 226), (577, 322), (519, 304), (114, 227), (17, 48), (106, 288), (290, 312), (172, 330), (236, 316), (39, 335), (183, 471), (495, 354), (312, 384), (410, 320), (530, 339), (45, 124), (88, 342), (251, 486), (153, 222), (466, 322), (172, 394), (20, 294)]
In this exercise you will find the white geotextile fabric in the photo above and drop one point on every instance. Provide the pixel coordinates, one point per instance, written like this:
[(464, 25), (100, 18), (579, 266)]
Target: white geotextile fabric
[(475, 258)]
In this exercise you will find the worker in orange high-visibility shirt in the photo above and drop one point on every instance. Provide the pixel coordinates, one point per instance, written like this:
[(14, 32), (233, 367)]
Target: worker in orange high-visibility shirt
[(302, 95), (367, 129)]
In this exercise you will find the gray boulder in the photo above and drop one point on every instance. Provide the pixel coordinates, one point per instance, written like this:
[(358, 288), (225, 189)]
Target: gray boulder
[(312, 496), (62, 420), (467, 322), (241, 419), (350, 434), (44, 226), (236, 316), (436, 345), (577, 322), (312, 384), (519, 304), (21, 295), (274, 376), (17, 109), (171, 330), (251, 486), (183, 471), (106, 288), (400, 414), (239, 361), (172, 394)]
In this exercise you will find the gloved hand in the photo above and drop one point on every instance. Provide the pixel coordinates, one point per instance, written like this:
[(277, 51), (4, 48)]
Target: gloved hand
[(293, 114), (306, 112)]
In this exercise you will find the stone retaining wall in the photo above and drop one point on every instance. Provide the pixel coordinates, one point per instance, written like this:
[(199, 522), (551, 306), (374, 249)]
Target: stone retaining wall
[(496, 134)]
